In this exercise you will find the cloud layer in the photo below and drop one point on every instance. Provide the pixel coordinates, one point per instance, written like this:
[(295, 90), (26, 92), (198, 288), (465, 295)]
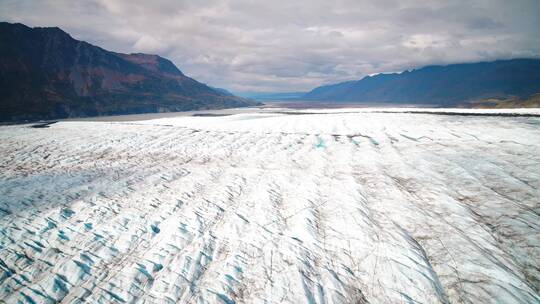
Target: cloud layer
[(293, 45)]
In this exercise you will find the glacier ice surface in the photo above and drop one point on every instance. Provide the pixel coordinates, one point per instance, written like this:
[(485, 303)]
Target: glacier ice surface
[(333, 206)]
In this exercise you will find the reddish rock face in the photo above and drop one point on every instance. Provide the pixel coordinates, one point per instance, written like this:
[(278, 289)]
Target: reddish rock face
[(45, 74), (153, 63)]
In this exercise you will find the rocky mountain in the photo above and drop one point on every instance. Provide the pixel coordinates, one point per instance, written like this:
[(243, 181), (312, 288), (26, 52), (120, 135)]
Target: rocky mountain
[(46, 74), (440, 85)]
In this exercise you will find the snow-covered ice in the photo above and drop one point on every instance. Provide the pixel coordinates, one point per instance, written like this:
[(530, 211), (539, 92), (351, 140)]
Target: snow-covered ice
[(337, 206)]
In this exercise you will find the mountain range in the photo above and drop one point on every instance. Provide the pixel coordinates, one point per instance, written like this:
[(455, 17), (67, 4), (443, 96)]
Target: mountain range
[(272, 95), (47, 74), (440, 85)]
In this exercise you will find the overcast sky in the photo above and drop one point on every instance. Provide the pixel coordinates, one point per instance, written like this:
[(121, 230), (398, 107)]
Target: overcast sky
[(294, 45)]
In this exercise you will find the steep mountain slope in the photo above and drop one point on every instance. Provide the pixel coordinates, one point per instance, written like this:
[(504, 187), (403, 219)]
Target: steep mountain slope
[(45, 73), (441, 85)]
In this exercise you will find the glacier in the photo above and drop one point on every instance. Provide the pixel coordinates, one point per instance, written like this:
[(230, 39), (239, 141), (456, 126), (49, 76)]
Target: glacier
[(273, 206)]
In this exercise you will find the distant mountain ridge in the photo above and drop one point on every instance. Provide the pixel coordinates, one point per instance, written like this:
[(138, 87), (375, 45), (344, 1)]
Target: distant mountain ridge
[(440, 85), (272, 95), (46, 74)]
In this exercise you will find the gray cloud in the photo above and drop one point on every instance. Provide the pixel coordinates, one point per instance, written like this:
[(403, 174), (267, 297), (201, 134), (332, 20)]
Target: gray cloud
[(292, 45)]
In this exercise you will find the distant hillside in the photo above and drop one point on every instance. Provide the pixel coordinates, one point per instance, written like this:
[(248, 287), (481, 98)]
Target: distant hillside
[(440, 85), (532, 101), (272, 95), (46, 74)]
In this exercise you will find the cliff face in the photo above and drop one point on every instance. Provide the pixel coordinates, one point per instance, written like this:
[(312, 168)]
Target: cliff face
[(46, 74), (441, 85)]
